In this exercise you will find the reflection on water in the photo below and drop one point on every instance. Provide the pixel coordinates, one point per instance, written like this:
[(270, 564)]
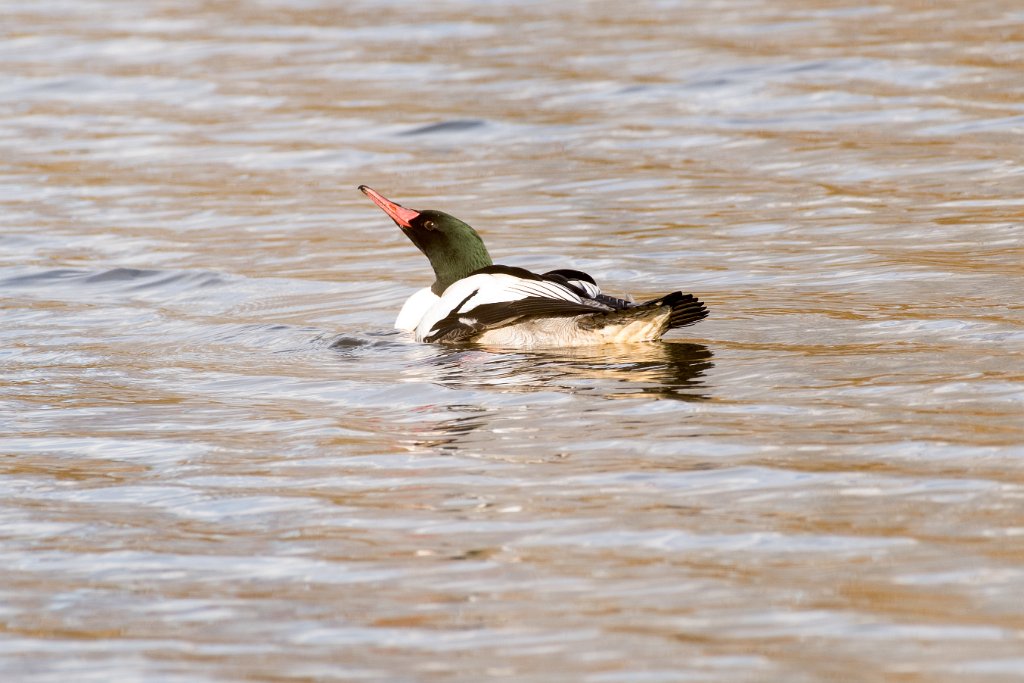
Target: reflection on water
[(219, 462)]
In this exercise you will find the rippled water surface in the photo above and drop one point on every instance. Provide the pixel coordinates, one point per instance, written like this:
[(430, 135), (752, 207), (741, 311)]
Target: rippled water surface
[(219, 462)]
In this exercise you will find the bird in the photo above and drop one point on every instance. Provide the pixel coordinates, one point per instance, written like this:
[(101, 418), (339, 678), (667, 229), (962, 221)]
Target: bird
[(474, 301)]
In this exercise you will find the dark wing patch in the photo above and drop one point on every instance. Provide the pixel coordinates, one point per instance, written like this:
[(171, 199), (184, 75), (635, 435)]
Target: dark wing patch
[(514, 271), (457, 327), (463, 302), (564, 282), (570, 274), (531, 307), (614, 301), (579, 282)]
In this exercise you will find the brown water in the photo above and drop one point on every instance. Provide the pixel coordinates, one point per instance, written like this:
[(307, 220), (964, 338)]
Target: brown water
[(220, 463)]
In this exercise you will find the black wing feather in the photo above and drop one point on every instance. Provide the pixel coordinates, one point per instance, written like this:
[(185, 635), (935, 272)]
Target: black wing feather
[(457, 326), (566, 276), (614, 301), (515, 271), (570, 274)]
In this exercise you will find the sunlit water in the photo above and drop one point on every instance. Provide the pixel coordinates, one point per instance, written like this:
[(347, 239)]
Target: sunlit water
[(220, 463)]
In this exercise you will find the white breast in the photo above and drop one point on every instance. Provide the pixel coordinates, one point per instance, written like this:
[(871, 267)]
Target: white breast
[(416, 306)]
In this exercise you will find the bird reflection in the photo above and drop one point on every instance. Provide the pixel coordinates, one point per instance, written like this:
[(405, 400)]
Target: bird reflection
[(656, 370), (450, 435), (669, 370)]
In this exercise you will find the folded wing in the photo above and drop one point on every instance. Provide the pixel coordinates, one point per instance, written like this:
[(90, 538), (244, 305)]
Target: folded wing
[(497, 296)]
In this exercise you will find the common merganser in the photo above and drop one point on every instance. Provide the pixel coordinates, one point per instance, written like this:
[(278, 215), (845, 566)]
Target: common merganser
[(473, 300)]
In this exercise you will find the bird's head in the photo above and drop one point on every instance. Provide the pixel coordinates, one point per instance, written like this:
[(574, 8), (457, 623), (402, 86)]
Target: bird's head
[(454, 248)]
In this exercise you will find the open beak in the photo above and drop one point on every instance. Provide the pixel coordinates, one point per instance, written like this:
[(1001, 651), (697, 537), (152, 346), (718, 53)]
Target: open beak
[(399, 214)]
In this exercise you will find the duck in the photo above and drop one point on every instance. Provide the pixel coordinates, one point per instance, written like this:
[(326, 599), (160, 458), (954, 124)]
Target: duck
[(475, 301)]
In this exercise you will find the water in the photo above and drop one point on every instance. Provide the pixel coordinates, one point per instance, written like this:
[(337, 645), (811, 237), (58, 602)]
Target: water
[(220, 463)]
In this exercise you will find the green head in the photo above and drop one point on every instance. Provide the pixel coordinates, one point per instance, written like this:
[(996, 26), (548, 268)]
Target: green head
[(454, 248)]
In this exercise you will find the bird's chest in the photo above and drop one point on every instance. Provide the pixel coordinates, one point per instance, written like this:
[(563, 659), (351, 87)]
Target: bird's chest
[(415, 307)]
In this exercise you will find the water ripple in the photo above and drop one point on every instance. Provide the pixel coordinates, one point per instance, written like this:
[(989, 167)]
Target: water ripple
[(220, 462)]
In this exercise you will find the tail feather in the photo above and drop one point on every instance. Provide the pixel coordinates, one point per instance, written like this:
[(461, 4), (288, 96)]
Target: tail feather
[(686, 309), (635, 323)]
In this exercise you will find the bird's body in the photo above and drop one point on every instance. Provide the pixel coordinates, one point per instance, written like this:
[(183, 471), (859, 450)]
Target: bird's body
[(473, 300)]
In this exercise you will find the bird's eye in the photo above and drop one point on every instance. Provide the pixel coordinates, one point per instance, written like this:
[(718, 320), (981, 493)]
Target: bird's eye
[(429, 225)]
